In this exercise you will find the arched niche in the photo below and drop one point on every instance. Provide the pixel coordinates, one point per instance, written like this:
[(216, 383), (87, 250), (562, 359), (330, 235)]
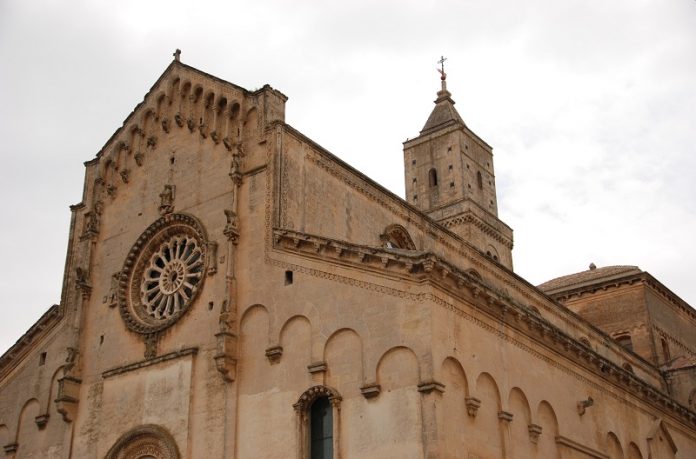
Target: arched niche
[(145, 442), (396, 237)]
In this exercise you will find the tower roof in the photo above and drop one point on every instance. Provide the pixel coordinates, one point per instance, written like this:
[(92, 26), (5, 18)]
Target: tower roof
[(444, 114)]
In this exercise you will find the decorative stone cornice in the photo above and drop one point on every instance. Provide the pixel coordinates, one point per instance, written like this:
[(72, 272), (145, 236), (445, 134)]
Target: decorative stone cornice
[(14, 355), (429, 268), (469, 217)]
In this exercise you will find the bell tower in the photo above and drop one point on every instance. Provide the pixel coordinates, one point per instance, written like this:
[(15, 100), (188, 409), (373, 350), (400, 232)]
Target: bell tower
[(449, 175)]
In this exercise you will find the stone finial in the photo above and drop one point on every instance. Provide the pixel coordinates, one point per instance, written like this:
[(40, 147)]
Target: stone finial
[(593, 266)]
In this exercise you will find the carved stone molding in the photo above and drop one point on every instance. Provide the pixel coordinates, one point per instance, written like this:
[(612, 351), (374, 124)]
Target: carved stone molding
[(371, 390), (68, 397), (149, 362), (505, 416), (163, 273), (41, 420), (472, 406), (145, 441), (274, 353), (397, 236), (313, 393), (317, 367), (225, 362), (11, 448), (497, 303), (534, 432), (428, 387)]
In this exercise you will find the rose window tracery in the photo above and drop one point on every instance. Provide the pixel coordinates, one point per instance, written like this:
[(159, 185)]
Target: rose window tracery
[(172, 276), (163, 273)]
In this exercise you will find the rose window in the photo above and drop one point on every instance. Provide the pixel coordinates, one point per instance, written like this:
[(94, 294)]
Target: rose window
[(163, 273), (171, 277)]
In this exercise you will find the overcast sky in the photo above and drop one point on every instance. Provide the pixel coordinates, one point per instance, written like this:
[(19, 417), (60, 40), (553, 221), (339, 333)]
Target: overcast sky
[(590, 107)]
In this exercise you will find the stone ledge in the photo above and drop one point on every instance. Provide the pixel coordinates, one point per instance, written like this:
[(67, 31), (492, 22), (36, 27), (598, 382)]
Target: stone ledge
[(149, 362)]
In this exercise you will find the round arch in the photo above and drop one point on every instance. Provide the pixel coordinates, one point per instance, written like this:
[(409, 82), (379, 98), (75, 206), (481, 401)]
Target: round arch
[(145, 442)]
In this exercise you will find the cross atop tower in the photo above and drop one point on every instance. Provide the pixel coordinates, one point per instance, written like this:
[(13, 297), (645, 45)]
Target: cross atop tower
[(442, 60), (443, 75), (177, 55)]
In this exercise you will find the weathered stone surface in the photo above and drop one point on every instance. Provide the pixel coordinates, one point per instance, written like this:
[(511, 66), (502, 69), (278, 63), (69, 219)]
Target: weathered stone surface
[(314, 283)]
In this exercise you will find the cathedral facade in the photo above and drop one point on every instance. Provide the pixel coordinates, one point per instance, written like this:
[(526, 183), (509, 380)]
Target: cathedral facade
[(233, 290)]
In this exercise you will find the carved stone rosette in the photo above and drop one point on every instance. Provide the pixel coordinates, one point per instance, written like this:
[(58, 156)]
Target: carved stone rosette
[(163, 273)]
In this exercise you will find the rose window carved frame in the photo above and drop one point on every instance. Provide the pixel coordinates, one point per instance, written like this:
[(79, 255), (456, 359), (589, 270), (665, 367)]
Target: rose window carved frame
[(163, 274)]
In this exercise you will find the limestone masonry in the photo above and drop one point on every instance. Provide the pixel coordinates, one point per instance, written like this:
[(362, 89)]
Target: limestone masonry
[(233, 290)]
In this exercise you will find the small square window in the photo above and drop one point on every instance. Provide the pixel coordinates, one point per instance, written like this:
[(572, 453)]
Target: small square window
[(415, 197), (413, 162), (451, 184), (449, 167)]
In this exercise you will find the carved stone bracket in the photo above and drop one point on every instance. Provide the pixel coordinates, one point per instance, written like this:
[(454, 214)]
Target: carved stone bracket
[(225, 360), (317, 367), (138, 156), (67, 397), (11, 448), (370, 390), (472, 406), (505, 416), (534, 432), (41, 420), (274, 353), (428, 387)]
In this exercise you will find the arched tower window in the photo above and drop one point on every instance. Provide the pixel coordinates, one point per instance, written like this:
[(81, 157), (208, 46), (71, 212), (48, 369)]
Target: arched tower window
[(321, 429), (432, 177)]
